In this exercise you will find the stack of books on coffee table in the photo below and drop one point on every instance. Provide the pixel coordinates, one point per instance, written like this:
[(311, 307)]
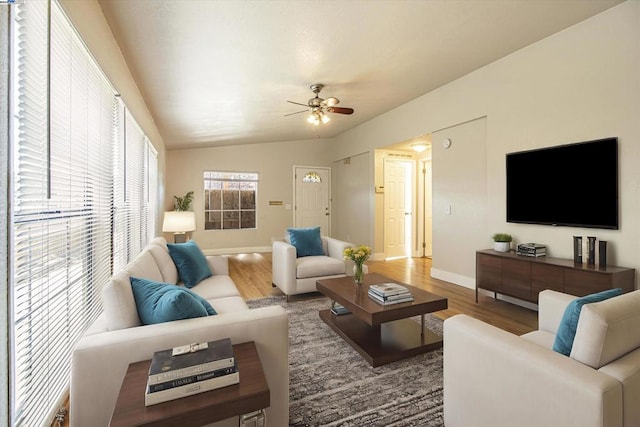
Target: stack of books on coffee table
[(389, 293), (191, 369)]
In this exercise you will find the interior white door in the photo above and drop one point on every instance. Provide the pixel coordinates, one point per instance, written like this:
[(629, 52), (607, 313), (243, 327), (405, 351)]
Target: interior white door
[(428, 209), (397, 208), (312, 198)]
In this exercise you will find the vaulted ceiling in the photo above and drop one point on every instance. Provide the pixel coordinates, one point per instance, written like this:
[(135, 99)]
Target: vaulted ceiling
[(219, 72)]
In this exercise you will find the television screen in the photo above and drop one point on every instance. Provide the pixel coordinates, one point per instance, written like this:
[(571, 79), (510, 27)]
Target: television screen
[(572, 185)]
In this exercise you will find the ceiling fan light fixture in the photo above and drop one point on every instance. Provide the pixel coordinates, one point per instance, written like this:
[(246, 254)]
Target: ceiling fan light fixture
[(325, 118)]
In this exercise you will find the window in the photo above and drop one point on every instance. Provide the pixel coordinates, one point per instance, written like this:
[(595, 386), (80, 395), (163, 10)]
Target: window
[(311, 178), (230, 200), (67, 134)]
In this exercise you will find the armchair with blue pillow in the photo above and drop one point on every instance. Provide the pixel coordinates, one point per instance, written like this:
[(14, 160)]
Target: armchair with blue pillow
[(580, 368), (303, 257)]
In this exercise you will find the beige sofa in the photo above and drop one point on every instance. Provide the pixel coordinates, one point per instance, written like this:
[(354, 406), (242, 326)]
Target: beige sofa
[(117, 338), (294, 275), (494, 378)]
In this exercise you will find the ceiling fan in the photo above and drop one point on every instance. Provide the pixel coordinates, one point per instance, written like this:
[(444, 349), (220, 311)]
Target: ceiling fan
[(319, 107)]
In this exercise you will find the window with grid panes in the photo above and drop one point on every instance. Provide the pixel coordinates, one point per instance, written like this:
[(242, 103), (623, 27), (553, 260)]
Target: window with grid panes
[(230, 200)]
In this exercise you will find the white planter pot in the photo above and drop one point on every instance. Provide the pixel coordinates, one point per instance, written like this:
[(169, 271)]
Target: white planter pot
[(501, 246)]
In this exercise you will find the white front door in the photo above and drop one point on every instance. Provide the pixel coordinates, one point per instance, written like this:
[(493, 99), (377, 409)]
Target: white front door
[(397, 208), (312, 198)]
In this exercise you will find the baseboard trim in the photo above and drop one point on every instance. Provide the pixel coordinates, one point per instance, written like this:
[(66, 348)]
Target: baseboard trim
[(457, 279), (245, 250)]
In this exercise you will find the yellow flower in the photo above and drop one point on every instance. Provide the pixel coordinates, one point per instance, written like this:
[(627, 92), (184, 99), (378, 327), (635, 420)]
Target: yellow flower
[(359, 254)]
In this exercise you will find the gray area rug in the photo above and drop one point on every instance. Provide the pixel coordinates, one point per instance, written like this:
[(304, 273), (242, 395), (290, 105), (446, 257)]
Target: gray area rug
[(330, 384)]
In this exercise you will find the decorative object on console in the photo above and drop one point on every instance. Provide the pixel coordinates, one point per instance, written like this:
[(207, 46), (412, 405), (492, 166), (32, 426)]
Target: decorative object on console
[(602, 254), (358, 255), (501, 242), (591, 259), (531, 249), (577, 249), (179, 223)]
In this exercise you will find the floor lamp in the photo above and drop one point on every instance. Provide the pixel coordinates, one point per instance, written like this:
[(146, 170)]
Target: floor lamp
[(179, 223)]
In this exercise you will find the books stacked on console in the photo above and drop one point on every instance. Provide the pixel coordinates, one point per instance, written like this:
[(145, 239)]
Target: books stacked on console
[(191, 369), (339, 309), (389, 293), (531, 249)]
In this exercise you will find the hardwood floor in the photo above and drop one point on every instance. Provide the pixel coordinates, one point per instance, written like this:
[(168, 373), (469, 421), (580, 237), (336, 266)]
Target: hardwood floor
[(252, 275)]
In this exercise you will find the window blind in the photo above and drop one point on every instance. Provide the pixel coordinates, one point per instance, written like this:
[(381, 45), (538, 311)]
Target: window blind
[(69, 171), (133, 228)]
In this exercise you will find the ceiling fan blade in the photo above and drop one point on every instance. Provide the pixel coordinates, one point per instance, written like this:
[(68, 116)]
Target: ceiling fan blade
[(297, 103), (340, 110), (297, 112), (331, 101)]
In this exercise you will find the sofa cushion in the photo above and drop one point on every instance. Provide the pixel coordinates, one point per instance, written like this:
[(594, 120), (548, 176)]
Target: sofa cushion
[(190, 261), (163, 302), (608, 330), (306, 240), (569, 323), (216, 287), (119, 306), (317, 266), (144, 265), (229, 304), (165, 264)]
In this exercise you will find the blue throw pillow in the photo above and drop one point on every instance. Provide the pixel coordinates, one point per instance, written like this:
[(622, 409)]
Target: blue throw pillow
[(190, 261), (569, 323), (307, 241), (162, 302)]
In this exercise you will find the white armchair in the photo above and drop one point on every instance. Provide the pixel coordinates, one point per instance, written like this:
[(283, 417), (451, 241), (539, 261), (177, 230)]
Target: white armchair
[(495, 378), (299, 275)]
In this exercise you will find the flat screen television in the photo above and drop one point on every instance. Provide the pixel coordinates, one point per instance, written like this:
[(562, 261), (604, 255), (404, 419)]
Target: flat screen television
[(573, 185)]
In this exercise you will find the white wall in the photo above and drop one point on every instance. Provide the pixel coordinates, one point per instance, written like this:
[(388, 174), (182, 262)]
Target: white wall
[(580, 84), (273, 161), (459, 200), (351, 191)]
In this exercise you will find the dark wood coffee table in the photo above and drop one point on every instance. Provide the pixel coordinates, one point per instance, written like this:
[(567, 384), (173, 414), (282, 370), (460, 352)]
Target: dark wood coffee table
[(381, 334)]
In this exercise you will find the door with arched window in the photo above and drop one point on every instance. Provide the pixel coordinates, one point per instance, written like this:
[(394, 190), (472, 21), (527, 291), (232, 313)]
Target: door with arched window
[(312, 202)]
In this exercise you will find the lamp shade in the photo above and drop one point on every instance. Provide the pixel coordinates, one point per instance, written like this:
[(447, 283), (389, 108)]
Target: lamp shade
[(179, 221)]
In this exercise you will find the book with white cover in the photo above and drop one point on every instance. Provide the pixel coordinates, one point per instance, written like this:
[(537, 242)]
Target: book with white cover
[(190, 389), (387, 289)]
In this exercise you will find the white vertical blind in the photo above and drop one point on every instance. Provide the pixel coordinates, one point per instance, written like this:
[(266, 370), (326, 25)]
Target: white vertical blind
[(68, 152)]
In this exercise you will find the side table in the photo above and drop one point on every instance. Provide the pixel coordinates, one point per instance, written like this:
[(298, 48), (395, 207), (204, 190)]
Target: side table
[(250, 395)]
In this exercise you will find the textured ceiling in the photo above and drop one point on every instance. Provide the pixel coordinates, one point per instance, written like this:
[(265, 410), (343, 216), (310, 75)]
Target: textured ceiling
[(219, 72)]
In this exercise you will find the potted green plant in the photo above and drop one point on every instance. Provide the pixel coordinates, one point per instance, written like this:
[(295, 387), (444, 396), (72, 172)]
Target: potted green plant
[(502, 242), (184, 203)]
